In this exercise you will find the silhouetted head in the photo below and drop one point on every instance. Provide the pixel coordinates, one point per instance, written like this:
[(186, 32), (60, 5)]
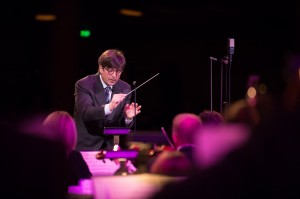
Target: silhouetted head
[(184, 127), (211, 118), (61, 128)]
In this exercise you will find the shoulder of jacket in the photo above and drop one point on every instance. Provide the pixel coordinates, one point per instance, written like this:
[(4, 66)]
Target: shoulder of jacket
[(123, 83), (87, 78)]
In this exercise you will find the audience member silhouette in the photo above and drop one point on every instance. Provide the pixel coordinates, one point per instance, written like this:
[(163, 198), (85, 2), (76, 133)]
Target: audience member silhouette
[(63, 130), (32, 167), (184, 128), (211, 118), (266, 167), (172, 163)]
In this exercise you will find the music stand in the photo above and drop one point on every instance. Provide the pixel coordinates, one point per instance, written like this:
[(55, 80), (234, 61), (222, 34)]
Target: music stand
[(116, 132), (122, 156)]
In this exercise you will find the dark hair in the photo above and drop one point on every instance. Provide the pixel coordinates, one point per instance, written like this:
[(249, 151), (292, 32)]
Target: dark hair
[(211, 117), (112, 58)]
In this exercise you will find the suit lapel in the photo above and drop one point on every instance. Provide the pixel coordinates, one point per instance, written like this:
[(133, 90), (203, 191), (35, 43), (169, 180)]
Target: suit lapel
[(116, 89), (99, 90)]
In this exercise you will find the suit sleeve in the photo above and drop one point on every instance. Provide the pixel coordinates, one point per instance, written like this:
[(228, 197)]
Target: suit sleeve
[(85, 102)]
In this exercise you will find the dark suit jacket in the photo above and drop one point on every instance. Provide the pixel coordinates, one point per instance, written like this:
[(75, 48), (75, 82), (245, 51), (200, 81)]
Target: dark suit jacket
[(188, 151), (89, 112)]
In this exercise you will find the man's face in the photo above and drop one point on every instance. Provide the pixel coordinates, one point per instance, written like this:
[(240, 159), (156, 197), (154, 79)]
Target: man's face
[(110, 76)]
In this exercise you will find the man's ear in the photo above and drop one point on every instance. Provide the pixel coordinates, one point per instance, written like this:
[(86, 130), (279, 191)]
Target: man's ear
[(100, 68)]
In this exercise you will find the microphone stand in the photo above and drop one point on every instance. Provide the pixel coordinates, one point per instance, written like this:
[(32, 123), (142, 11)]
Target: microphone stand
[(224, 60), (210, 84), (229, 71), (211, 93), (134, 100), (230, 52), (221, 88)]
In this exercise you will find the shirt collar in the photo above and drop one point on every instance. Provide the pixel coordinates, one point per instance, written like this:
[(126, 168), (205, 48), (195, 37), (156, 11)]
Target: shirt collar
[(104, 85)]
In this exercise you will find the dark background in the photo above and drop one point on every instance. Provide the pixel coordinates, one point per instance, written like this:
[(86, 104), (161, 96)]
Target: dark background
[(43, 60)]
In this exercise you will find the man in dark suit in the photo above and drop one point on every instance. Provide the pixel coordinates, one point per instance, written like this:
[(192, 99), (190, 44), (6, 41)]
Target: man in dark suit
[(101, 100)]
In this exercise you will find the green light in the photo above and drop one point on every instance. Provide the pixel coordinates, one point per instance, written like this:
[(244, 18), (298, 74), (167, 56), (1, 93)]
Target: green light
[(85, 33)]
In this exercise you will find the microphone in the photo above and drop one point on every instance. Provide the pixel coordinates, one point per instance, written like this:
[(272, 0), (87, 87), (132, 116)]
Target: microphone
[(230, 49), (230, 46), (213, 58)]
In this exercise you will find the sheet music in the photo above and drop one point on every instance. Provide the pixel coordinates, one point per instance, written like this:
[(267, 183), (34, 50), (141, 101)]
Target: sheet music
[(99, 167)]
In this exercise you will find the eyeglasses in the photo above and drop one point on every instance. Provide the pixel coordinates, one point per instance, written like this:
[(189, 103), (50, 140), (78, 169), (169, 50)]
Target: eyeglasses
[(111, 71)]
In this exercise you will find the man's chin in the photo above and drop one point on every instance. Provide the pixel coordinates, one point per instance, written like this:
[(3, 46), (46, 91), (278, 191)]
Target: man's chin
[(111, 83)]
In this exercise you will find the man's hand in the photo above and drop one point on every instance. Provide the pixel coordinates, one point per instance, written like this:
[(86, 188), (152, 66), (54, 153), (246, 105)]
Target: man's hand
[(116, 100), (131, 109)]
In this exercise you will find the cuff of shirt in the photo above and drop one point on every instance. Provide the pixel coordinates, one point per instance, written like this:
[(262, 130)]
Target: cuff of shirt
[(128, 121), (107, 110)]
